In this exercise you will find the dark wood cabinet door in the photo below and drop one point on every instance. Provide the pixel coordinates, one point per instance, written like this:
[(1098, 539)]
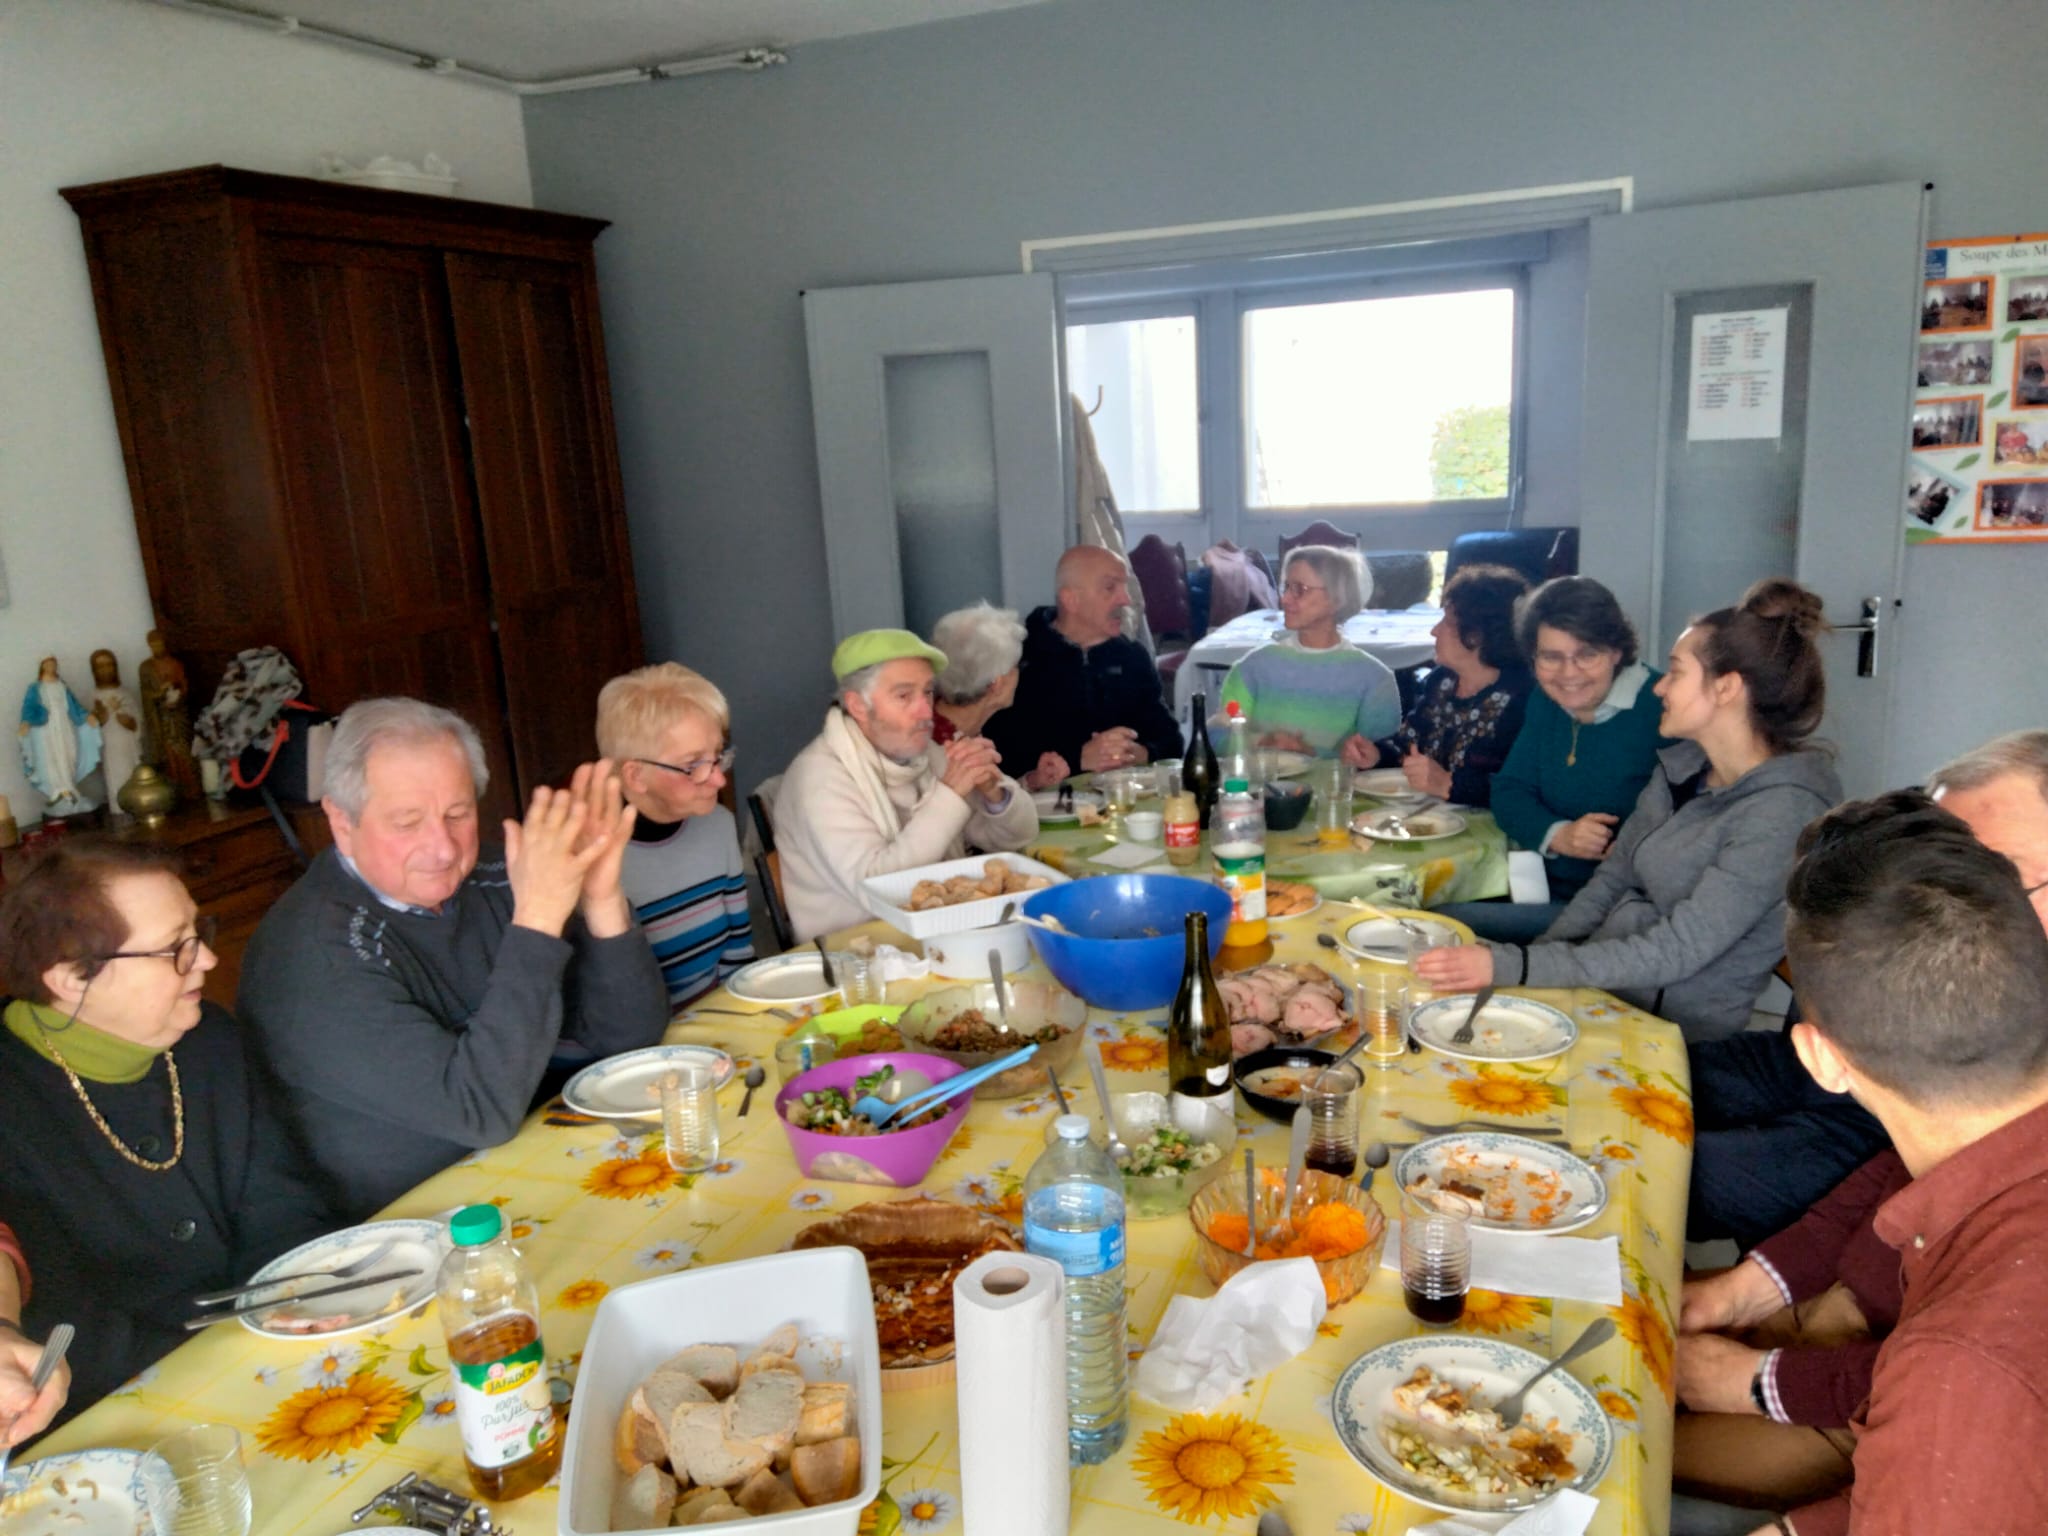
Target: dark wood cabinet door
[(547, 481), (369, 414)]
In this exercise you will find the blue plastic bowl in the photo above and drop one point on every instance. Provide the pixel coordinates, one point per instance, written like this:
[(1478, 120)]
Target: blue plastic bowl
[(1124, 941)]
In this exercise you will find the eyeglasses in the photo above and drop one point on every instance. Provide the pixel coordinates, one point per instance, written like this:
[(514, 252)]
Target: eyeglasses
[(1583, 660), (183, 955), (698, 772), (1299, 589)]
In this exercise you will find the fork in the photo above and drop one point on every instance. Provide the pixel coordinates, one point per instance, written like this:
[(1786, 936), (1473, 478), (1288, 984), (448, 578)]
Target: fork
[(1598, 1332), (1464, 1034), (1483, 1125), (347, 1271), (46, 1367)]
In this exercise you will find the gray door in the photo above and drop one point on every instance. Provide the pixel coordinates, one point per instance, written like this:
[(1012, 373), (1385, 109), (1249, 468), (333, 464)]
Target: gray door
[(1702, 473), (937, 412)]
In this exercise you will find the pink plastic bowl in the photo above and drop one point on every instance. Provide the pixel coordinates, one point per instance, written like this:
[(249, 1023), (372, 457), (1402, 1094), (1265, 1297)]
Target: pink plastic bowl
[(898, 1158)]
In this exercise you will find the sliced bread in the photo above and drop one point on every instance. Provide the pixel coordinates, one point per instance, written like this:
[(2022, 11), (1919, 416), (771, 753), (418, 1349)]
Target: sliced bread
[(766, 1410), (826, 1412), (826, 1472), (643, 1501), (701, 1444)]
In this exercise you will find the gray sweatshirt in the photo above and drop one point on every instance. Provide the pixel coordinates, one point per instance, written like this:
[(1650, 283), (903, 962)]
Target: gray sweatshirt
[(405, 1039), (1685, 917)]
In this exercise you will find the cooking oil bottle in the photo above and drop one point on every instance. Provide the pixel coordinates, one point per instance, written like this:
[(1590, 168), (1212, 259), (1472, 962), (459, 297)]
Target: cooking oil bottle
[(490, 1312)]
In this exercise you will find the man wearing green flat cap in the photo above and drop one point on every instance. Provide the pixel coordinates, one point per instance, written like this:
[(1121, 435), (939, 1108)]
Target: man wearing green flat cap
[(873, 794)]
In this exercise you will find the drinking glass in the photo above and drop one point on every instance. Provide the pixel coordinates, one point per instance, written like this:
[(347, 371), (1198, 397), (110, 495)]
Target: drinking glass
[(195, 1484), (1333, 803), (1330, 1100), (860, 979), (1436, 1264), (799, 1053), (689, 1117), (1418, 945), (1119, 794), (1379, 998), (1166, 773)]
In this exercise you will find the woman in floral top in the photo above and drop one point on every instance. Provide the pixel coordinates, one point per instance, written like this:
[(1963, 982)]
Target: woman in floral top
[(1469, 707)]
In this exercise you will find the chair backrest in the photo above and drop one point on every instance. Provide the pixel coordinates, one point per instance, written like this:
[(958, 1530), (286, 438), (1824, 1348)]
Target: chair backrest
[(761, 806), (1400, 578), (1317, 532), (1162, 572), (768, 870), (1528, 550)]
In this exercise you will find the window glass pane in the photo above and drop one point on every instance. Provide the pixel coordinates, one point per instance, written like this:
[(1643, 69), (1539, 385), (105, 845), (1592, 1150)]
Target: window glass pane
[(1146, 430), (942, 471), (1371, 401)]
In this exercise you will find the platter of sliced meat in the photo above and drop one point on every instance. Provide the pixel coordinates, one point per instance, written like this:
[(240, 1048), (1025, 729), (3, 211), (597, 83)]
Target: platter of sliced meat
[(1281, 1005)]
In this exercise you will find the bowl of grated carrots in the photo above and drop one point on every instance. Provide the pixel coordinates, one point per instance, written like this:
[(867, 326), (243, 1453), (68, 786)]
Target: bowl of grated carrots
[(1334, 1222)]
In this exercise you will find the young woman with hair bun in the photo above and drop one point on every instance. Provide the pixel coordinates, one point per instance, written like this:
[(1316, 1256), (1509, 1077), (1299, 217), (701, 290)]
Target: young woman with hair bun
[(1685, 916)]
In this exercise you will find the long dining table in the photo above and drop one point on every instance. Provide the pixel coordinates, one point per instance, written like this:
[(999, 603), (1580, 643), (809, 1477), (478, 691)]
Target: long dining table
[(595, 1207)]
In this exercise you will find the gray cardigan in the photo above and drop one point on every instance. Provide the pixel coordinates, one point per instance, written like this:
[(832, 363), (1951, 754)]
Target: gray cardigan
[(1685, 917)]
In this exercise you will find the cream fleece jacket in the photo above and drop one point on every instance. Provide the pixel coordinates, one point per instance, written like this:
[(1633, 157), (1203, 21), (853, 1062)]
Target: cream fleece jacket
[(830, 839)]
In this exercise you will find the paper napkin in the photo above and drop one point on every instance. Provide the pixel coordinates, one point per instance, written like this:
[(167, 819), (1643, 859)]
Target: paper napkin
[(1568, 1268), (1207, 1350), (1565, 1513)]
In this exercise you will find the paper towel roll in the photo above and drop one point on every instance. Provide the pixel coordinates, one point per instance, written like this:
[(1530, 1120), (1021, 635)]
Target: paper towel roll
[(1010, 1332)]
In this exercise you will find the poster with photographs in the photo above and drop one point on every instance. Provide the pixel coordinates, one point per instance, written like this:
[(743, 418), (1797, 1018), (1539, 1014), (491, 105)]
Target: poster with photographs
[(1978, 470)]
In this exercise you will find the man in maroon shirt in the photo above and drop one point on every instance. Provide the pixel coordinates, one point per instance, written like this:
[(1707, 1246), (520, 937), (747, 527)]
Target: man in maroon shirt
[(1924, 968)]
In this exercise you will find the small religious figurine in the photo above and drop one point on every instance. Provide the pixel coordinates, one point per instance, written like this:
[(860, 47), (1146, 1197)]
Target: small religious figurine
[(60, 743), (119, 718), (167, 717)]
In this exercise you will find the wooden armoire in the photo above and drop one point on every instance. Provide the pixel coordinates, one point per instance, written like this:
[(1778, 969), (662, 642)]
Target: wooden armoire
[(374, 429)]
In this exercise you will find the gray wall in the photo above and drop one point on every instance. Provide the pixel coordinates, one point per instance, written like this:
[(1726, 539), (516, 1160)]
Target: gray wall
[(932, 152)]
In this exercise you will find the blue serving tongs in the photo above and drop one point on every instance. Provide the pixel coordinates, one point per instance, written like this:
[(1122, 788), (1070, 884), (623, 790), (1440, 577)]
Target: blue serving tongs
[(871, 1107)]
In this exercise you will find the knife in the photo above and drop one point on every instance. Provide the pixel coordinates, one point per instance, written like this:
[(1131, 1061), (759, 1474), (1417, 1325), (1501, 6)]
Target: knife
[(208, 1319)]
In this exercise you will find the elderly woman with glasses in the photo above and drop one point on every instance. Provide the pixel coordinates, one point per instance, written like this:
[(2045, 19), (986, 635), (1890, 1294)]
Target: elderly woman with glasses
[(983, 646), (141, 1158), (1314, 691), (665, 726)]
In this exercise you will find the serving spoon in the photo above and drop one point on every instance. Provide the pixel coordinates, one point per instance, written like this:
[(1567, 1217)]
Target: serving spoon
[(881, 1112)]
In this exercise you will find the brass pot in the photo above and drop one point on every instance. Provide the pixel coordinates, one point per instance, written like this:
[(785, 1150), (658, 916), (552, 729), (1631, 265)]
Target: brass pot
[(148, 796)]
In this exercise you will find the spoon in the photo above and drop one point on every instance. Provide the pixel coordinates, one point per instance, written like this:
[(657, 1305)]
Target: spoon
[(882, 1112), (995, 974), (46, 1366), (1598, 1332), (1058, 1092), (1115, 1144), (755, 1077), (1349, 1051), (1251, 1206), (1376, 1157)]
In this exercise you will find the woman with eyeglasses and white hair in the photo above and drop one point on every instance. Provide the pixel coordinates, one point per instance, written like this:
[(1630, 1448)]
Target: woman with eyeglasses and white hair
[(141, 1159), (983, 646), (666, 727), (1314, 691)]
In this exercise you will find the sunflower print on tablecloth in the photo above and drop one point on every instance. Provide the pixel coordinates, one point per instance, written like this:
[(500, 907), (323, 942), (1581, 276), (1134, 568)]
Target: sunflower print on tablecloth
[(1661, 1109), (584, 1293), (1499, 1312), (1204, 1467), (1138, 1049), (325, 1421), (1494, 1092), (1643, 1326), (630, 1178)]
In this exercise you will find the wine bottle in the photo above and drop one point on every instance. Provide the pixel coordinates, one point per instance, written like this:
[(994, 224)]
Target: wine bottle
[(1198, 770), (1198, 1030)]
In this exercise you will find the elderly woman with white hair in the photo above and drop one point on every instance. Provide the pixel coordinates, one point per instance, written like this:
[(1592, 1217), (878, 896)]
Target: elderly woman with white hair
[(983, 646), (1314, 691)]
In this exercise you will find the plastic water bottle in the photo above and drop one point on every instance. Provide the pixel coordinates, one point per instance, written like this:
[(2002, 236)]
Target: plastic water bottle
[(1240, 760), (1074, 1215)]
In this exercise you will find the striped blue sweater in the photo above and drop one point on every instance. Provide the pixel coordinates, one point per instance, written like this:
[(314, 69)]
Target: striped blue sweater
[(689, 890)]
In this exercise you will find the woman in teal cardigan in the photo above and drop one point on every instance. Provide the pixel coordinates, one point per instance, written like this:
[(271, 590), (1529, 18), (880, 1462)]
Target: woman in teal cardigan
[(1587, 747)]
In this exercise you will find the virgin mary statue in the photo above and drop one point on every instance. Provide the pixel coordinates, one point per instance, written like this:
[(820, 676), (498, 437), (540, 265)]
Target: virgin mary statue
[(60, 741)]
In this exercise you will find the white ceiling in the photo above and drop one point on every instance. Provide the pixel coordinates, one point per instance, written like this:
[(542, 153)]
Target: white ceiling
[(531, 40)]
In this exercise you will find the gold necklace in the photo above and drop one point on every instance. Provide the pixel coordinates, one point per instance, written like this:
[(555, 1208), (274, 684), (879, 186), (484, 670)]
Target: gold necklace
[(1571, 758), (106, 1130)]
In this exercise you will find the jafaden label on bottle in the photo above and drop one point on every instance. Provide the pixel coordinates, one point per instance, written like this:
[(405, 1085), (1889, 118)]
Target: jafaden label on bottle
[(504, 1408)]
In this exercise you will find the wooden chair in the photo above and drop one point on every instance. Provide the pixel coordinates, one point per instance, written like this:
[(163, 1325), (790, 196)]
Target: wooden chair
[(768, 865), (1317, 532), (1162, 572)]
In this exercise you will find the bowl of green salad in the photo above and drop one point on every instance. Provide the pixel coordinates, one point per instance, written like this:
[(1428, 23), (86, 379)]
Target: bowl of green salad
[(1177, 1145)]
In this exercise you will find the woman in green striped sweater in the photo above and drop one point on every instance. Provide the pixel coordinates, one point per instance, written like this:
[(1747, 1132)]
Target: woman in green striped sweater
[(1314, 691)]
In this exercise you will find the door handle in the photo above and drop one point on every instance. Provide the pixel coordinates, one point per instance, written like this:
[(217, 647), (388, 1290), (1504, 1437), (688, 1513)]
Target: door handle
[(1866, 632)]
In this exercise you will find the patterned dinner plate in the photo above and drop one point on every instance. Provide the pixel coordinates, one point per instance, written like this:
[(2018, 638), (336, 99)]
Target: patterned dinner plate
[(1431, 825), (628, 1087), (1531, 1186), (1488, 1371), (415, 1244), (84, 1493), (1508, 1029)]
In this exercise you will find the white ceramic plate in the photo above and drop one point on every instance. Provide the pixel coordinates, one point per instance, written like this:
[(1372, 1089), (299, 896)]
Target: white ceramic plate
[(420, 1245), (1510, 1029), (628, 1087), (1491, 1371), (1424, 826), (1275, 763), (1383, 939), (1315, 901), (1048, 799), (797, 977), (1546, 1188), (1387, 784), (85, 1493)]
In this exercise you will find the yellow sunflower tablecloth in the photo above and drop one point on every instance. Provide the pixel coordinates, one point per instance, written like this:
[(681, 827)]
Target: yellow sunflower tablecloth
[(1470, 866), (326, 1425)]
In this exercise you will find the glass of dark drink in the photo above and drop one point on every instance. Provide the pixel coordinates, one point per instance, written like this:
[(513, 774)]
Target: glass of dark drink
[(1330, 1100), (1436, 1265)]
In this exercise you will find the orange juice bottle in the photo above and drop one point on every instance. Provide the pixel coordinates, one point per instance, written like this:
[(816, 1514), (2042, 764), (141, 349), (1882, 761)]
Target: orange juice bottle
[(1237, 840)]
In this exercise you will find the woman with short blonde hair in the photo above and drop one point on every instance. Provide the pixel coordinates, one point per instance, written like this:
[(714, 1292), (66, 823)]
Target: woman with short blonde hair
[(666, 727)]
